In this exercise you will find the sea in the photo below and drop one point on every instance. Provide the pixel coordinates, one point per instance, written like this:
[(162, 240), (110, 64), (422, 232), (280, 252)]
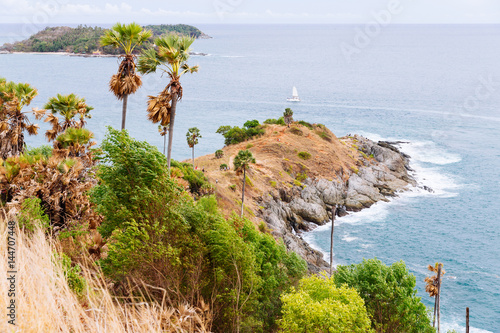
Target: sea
[(435, 88)]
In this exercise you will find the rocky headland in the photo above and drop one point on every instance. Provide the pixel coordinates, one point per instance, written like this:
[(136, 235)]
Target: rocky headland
[(301, 174)]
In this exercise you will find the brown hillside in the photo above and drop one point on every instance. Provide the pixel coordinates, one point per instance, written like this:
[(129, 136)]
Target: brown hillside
[(278, 164)]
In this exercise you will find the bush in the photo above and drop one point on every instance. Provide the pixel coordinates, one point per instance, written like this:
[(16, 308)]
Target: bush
[(325, 136), (32, 215), (249, 146), (279, 121), (251, 124), (306, 124), (44, 150), (219, 153), (223, 166), (73, 276), (389, 293), (319, 306), (304, 155), (234, 135)]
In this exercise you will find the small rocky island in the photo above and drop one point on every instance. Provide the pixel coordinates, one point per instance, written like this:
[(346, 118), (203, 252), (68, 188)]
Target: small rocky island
[(301, 173), (84, 40)]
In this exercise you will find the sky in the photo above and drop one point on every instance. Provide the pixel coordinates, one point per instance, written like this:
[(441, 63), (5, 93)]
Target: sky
[(251, 11)]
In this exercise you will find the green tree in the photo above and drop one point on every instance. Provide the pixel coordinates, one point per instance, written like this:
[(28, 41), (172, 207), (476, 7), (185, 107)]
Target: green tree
[(389, 293), (219, 153), (242, 161), (67, 106), (13, 121), (125, 37), (319, 306), (170, 56), (192, 136), (288, 116)]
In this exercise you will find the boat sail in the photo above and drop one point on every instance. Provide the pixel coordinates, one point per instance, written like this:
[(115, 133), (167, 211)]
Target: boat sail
[(295, 96)]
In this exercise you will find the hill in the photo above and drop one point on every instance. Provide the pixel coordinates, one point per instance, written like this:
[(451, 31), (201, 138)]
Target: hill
[(301, 173), (85, 40)]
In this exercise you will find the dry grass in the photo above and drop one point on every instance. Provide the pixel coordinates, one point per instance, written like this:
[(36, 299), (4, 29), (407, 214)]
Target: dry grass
[(45, 303)]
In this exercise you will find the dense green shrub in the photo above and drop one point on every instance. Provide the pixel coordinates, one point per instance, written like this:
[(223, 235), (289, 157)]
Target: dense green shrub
[(73, 274), (44, 150), (198, 182), (319, 306), (234, 135), (32, 215), (279, 121), (157, 234), (304, 155), (389, 293)]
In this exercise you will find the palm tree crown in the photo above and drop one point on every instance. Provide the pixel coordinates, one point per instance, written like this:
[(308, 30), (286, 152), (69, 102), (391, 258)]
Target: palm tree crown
[(170, 56)]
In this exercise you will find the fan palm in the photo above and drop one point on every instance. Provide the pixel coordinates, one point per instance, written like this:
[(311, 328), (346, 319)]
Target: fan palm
[(192, 136), (13, 121), (288, 116), (126, 37), (242, 161), (170, 56), (67, 106), (163, 130)]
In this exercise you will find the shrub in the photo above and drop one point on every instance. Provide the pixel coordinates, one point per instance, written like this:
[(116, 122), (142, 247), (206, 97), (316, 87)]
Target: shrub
[(248, 181), (279, 121), (223, 166), (232, 187), (324, 136), (301, 176), (234, 135), (219, 153), (304, 155), (249, 146), (306, 124), (273, 183), (32, 215), (319, 306), (389, 293), (73, 276), (251, 124), (44, 150)]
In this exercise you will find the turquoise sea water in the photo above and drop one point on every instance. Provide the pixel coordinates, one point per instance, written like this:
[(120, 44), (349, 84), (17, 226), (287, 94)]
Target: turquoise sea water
[(436, 87)]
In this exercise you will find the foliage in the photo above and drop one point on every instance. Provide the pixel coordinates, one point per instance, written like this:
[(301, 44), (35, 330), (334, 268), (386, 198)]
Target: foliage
[(13, 121), (198, 182), (304, 155), (234, 135), (32, 215), (85, 39), (288, 116), (243, 160), (219, 153), (223, 166), (43, 150), (301, 176), (192, 136), (389, 293), (306, 124), (158, 234), (72, 274), (279, 121), (319, 306)]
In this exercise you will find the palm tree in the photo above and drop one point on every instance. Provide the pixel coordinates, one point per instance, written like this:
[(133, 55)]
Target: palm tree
[(13, 121), (126, 81), (192, 136), (288, 116), (163, 130), (171, 57), (67, 106), (242, 162)]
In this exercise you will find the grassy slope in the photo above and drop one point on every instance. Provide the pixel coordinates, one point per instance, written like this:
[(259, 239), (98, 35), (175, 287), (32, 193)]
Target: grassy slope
[(278, 164)]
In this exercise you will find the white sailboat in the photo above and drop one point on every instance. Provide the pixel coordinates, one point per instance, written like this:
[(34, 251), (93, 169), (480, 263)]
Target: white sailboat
[(295, 96)]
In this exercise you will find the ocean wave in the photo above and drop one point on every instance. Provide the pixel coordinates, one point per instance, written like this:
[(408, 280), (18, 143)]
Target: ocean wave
[(445, 327)]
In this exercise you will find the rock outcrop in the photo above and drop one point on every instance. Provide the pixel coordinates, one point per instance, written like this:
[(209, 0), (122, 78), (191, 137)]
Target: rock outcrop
[(290, 211)]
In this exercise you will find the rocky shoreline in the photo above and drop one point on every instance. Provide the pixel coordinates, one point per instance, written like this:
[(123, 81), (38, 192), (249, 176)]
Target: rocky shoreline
[(288, 212)]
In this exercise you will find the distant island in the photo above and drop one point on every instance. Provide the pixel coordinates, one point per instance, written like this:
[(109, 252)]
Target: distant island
[(85, 40)]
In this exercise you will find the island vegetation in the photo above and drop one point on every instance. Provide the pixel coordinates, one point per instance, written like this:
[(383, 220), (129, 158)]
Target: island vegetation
[(120, 237), (85, 39)]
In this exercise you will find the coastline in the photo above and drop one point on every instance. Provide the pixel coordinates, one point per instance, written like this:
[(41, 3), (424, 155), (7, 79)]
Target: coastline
[(84, 54)]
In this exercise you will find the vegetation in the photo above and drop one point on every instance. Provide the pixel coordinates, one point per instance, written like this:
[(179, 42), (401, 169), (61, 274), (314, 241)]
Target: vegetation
[(125, 37), (279, 121), (163, 130), (170, 56), (304, 155), (389, 294), (13, 120), (234, 135), (32, 215), (242, 161), (288, 116), (157, 234), (219, 153), (85, 40), (319, 306), (306, 124), (192, 136)]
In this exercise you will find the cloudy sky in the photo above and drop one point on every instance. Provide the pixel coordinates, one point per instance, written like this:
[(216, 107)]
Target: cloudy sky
[(248, 11)]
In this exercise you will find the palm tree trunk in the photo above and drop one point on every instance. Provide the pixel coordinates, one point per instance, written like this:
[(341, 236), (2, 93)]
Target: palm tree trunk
[(124, 110), (243, 192), (164, 143), (171, 129), (193, 157)]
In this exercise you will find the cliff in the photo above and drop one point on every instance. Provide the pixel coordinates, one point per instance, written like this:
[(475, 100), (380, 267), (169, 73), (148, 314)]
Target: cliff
[(301, 173)]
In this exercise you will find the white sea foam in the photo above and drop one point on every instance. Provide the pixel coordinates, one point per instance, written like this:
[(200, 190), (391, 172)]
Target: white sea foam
[(457, 327), (347, 238)]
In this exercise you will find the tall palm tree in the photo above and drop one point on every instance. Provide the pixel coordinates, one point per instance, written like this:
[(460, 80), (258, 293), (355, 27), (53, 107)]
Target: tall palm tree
[(192, 136), (242, 161), (163, 130), (288, 116), (126, 37), (170, 56), (67, 106), (13, 121)]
